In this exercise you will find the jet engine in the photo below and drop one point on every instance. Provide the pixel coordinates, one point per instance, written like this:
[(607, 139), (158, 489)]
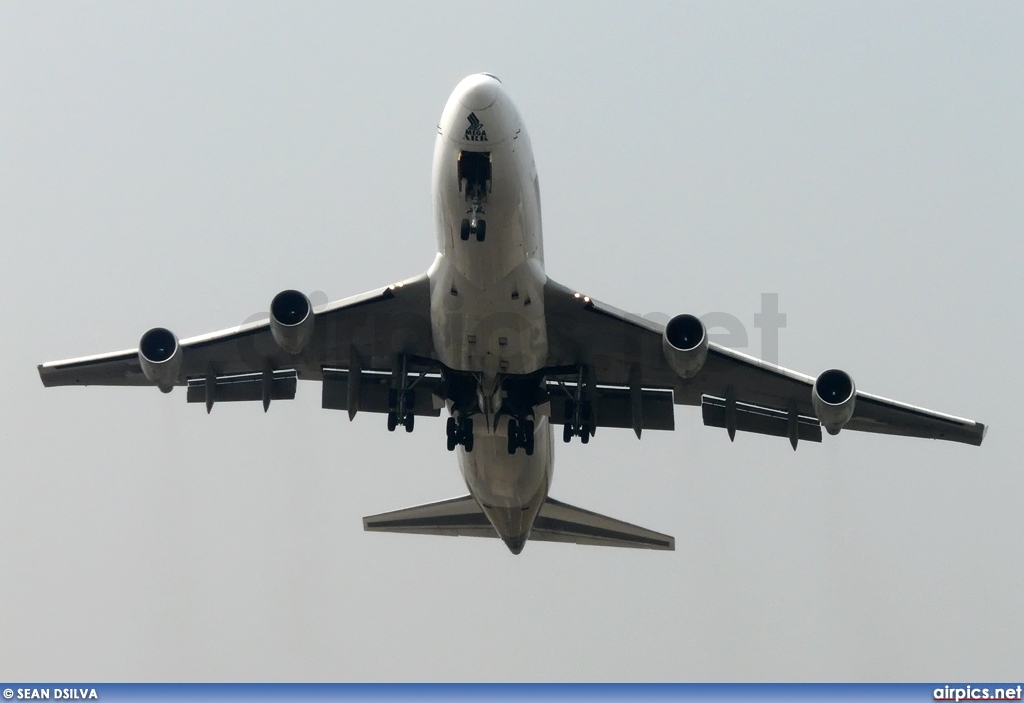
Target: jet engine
[(833, 397), (685, 343), (291, 320), (160, 357)]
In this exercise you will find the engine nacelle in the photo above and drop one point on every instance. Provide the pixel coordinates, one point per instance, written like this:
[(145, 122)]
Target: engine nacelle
[(291, 320), (833, 398), (685, 343), (160, 357)]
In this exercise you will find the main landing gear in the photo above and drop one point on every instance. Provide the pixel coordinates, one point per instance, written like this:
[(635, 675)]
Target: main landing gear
[(402, 397), (460, 432), (579, 414), (520, 434), (401, 403), (579, 421)]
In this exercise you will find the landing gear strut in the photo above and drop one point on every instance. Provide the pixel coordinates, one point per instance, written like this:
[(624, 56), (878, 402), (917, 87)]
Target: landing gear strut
[(402, 401), (579, 415), (520, 434), (460, 432)]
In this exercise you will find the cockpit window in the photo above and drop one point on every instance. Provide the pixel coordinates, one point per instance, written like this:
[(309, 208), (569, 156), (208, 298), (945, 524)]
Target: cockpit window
[(492, 76)]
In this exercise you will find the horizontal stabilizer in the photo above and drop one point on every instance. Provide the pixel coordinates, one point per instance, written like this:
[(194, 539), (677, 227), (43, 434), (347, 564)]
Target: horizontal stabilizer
[(556, 522), (561, 522), (452, 517)]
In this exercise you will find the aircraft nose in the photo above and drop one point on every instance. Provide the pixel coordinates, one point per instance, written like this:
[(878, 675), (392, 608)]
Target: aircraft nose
[(479, 91)]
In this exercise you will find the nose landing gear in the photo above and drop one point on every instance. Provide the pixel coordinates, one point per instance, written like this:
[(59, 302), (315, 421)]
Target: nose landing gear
[(476, 227), (475, 184)]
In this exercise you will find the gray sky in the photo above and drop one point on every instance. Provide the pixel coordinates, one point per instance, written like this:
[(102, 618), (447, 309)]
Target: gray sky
[(180, 164)]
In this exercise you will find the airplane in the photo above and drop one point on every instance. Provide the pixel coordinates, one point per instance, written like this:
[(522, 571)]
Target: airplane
[(509, 353)]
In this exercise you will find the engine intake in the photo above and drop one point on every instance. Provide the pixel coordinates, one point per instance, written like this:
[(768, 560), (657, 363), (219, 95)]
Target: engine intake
[(833, 397), (291, 320), (685, 343), (160, 357)]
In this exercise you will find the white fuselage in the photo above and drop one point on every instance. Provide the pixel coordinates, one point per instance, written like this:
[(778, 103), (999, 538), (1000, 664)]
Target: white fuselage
[(487, 297)]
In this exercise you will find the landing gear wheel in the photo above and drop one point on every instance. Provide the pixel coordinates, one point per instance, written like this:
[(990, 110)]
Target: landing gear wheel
[(452, 429), (464, 231), (467, 438), (529, 439), (410, 401), (408, 422), (481, 230), (392, 421), (513, 436), (585, 435)]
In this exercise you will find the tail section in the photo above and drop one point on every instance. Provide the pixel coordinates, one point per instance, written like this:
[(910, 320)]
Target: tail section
[(556, 522)]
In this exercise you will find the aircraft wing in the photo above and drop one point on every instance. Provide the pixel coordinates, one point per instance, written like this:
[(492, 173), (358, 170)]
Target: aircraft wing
[(620, 348), (368, 329)]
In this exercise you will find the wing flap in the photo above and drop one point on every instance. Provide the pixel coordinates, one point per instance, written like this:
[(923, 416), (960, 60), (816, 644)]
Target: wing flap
[(613, 407), (370, 394), (751, 418)]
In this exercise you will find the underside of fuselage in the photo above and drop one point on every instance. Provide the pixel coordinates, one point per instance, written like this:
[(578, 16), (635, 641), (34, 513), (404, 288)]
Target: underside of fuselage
[(487, 304)]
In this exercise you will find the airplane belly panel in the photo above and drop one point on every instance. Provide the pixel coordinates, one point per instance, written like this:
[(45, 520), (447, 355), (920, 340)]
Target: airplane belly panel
[(494, 329), (501, 480)]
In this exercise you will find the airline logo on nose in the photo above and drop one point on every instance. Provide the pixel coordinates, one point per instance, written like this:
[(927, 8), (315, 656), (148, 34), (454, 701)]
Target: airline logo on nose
[(475, 131)]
